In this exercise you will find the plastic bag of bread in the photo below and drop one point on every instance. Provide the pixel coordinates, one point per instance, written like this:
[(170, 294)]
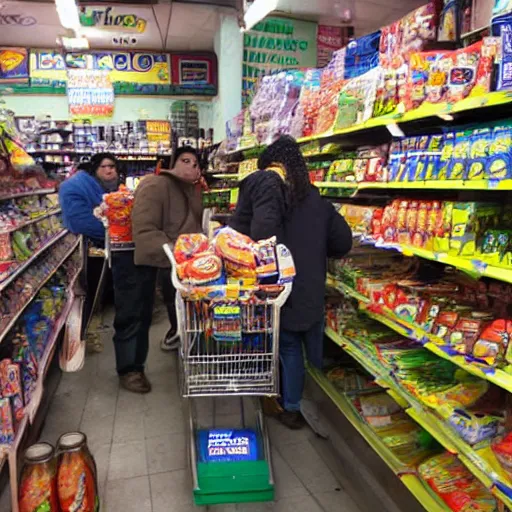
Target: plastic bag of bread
[(189, 245)]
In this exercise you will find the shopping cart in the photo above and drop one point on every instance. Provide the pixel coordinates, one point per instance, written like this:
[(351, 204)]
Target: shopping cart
[(229, 348)]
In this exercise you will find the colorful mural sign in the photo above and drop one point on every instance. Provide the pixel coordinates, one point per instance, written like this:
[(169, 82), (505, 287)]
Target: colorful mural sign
[(13, 65), (275, 44), (90, 94), (131, 72), (112, 18)]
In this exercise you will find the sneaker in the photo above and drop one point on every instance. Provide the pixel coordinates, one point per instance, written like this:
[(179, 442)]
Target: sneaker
[(292, 419), (136, 382), (171, 341)]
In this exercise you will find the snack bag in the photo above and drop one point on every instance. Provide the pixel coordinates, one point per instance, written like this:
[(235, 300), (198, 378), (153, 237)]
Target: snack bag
[(201, 269), (479, 149), (446, 157), (266, 261), (457, 165), (463, 72), (235, 248), (117, 210), (493, 342), (189, 245), (499, 163)]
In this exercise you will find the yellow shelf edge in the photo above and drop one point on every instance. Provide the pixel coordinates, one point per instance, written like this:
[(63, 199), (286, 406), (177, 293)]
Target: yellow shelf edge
[(428, 499), (424, 417), (366, 432)]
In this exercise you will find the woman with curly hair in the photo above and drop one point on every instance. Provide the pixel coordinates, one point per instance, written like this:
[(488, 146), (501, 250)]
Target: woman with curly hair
[(279, 200)]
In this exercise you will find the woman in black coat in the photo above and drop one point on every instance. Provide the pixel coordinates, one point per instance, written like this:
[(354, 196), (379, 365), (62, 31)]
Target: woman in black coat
[(280, 201)]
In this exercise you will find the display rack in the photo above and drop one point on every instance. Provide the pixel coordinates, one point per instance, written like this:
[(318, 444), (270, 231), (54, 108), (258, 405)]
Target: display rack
[(491, 107)]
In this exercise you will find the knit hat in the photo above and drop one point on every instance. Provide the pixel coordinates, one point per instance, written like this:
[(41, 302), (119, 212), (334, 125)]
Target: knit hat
[(180, 151), (97, 159)]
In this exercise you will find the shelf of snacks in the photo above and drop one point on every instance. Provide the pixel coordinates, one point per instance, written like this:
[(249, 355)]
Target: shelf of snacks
[(432, 393), (13, 270), (9, 228), (425, 496), (30, 192), (23, 290)]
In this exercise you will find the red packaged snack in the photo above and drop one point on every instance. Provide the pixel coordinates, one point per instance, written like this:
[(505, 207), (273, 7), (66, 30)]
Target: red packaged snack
[(401, 223), (189, 245), (493, 343), (421, 234), (389, 221), (503, 451), (118, 211), (411, 220), (201, 269)]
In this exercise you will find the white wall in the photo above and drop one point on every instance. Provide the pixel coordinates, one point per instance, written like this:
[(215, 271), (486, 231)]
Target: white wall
[(229, 47), (127, 108)]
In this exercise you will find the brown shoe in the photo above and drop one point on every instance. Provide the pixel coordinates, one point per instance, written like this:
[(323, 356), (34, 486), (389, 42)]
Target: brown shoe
[(146, 381), (135, 382)]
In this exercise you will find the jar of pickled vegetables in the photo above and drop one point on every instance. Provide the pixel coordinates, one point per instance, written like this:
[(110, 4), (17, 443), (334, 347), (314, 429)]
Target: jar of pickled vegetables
[(38, 485), (76, 477)]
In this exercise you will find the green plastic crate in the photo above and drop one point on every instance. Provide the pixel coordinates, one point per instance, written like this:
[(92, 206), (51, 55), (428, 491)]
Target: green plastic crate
[(233, 482)]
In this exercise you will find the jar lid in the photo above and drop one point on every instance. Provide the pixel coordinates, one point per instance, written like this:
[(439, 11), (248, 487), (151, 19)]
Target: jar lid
[(39, 453), (72, 441)]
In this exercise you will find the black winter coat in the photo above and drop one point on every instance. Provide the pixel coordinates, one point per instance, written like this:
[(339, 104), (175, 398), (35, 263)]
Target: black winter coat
[(313, 231)]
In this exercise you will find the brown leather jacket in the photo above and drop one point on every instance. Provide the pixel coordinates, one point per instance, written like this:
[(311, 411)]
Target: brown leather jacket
[(164, 208)]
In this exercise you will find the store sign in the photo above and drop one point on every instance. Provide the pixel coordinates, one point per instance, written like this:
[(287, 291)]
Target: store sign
[(13, 65), (90, 94), (110, 18), (48, 71), (275, 44), (194, 74), (330, 39)]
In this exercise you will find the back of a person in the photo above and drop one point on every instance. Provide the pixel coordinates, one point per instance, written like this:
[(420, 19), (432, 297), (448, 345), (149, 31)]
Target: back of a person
[(306, 235)]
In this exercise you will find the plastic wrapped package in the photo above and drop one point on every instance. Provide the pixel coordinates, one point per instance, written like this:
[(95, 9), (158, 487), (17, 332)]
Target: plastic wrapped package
[(357, 100), (309, 104), (189, 245), (362, 55), (330, 86), (117, 209)]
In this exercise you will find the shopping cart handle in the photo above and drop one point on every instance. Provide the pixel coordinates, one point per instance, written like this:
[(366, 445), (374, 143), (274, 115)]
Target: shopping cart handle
[(174, 276)]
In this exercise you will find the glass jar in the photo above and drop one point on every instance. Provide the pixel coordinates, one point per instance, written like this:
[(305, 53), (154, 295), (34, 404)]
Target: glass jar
[(76, 476), (38, 485)]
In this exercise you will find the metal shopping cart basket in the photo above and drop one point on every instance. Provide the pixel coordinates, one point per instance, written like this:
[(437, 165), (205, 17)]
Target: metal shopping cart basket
[(229, 357)]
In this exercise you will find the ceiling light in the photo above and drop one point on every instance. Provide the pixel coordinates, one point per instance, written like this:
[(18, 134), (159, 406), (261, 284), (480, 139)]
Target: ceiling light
[(68, 14), (73, 43), (257, 11)]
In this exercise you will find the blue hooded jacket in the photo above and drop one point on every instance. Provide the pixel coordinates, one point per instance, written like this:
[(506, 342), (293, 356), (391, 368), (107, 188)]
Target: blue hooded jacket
[(78, 196)]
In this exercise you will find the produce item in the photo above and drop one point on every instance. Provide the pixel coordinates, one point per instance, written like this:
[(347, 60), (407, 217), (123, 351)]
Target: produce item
[(76, 476), (38, 483)]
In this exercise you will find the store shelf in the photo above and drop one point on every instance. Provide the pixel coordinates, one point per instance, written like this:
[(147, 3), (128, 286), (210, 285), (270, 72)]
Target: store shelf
[(20, 268), (473, 266), (469, 109), (37, 289), (436, 345), (31, 221), (226, 176), (37, 192), (218, 190), (497, 185), (414, 484), (476, 463)]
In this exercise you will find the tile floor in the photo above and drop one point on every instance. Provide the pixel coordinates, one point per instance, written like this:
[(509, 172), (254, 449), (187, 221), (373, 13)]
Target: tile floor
[(139, 442)]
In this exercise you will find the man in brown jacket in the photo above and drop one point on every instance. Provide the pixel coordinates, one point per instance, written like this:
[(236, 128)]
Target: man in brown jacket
[(166, 205)]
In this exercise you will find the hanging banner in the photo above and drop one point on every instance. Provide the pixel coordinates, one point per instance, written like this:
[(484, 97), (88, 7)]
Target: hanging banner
[(119, 18), (276, 44), (90, 94), (328, 40), (13, 65)]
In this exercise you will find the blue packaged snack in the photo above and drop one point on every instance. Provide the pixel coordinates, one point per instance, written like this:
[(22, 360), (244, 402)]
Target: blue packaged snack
[(499, 162), (501, 26), (474, 428), (446, 156), (479, 146), (396, 160), (459, 160), (435, 149), (362, 55), (223, 445), (420, 167)]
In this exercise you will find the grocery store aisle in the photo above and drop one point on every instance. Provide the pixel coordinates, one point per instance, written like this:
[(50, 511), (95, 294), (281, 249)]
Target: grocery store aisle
[(139, 442)]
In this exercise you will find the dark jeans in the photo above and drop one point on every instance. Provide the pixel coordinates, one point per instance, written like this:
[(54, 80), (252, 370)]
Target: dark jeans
[(134, 293), (291, 355), (169, 294)]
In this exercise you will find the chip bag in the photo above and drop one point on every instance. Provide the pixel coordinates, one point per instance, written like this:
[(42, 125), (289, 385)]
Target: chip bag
[(189, 245)]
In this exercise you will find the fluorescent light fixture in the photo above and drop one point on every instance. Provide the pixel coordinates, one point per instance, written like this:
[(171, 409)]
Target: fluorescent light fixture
[(257, 11), (68, 14), (73, 43)]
